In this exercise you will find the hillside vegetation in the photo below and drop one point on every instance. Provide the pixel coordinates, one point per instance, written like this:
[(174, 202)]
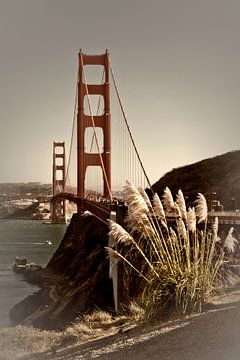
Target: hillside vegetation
[(219, 174)]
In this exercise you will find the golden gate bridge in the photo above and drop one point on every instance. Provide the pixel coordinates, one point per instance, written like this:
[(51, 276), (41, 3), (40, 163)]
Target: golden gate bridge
[(102, 152)]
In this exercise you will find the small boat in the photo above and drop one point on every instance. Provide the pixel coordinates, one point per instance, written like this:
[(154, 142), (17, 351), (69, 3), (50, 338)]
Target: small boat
[(20, 266)]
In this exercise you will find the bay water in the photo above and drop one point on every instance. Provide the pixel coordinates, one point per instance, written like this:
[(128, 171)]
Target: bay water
[(30, 239)]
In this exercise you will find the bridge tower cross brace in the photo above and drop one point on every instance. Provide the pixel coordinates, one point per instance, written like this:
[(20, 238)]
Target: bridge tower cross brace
[(98, 121), (58, 208)]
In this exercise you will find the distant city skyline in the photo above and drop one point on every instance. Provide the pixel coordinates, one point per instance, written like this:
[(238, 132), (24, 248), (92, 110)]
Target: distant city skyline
[(176, 63)]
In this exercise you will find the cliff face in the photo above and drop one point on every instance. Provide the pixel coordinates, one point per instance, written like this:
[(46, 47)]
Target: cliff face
[(220, 174), (75, 281)]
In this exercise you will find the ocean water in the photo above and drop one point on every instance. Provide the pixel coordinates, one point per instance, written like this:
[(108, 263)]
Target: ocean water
[(26, 239)]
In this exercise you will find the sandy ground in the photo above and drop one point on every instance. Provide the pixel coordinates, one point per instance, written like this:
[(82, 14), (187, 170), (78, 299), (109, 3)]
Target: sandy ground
[(215, 334)]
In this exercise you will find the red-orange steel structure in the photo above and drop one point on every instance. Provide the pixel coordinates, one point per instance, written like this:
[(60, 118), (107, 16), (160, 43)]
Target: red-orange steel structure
[(84, 121), (58, 209)]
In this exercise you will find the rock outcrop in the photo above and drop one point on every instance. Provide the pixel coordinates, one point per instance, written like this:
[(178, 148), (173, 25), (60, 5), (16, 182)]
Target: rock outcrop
[(75, 281)]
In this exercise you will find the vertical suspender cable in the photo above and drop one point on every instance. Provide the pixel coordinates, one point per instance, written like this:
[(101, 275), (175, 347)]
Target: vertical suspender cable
[(128, 128)]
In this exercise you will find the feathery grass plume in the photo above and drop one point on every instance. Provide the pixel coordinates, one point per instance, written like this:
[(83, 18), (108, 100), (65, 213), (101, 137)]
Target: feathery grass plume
[(173, 235), (134, 198), (191, 219), (158, 208), (168, 201), (201, 208), (181, 203), (181, 228), (178, 213), (113, 255), (137, 207), (211, 240), (119, 234), (230, 241), (116, 257), (139, 222), (138, 219), (145, 198)]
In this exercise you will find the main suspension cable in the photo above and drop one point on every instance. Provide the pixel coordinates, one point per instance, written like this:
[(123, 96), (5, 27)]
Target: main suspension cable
[(73, 127)]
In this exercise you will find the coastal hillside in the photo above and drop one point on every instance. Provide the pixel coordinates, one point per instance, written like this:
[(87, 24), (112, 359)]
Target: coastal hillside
[(218, 178)]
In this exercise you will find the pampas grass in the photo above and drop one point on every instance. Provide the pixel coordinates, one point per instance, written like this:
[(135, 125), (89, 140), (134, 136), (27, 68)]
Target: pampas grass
[(119, 234), (176, 262), (201, 208), (168, 200), (158, 208), (181, 204), (230, 241), (191, 220)]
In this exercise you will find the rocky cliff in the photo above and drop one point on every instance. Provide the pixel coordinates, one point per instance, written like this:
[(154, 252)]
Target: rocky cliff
[(75, 281)]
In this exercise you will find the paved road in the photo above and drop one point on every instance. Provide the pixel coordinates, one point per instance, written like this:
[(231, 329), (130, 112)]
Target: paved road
[(214, 335)]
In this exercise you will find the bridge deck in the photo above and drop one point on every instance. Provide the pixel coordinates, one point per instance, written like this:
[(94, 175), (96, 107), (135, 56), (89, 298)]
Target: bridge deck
[(102, 209)]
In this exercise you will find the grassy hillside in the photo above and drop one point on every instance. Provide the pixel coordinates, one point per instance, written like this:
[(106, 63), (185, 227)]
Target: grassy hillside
[(220, 174)]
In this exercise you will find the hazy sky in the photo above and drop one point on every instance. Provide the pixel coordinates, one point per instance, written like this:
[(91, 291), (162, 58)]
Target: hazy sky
[(177, 63)]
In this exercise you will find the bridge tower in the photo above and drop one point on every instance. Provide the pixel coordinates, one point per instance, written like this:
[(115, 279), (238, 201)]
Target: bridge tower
[(58, 208), (84, 121)]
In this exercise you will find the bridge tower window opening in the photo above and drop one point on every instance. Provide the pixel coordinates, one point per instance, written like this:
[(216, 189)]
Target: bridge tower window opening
[(58, 161), (94, 105), (90, 140), (59, 149), (94, 182), (59, 173), (94, 74)]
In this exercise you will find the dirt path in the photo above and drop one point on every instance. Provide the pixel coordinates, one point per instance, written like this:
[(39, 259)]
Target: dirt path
[(213, 335)]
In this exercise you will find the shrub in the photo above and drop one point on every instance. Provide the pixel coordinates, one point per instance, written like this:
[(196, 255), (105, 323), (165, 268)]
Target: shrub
[(179, 263)]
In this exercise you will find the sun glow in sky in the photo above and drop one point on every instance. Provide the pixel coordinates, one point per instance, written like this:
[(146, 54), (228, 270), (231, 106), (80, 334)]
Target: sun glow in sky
[(176, 63)]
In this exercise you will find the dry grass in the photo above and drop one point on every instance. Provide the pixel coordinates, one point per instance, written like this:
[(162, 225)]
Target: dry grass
[(19, 341), (89, 326), (101, 323)]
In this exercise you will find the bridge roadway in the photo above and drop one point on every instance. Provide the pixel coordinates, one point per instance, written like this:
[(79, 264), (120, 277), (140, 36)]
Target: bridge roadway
[(102, 209)]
